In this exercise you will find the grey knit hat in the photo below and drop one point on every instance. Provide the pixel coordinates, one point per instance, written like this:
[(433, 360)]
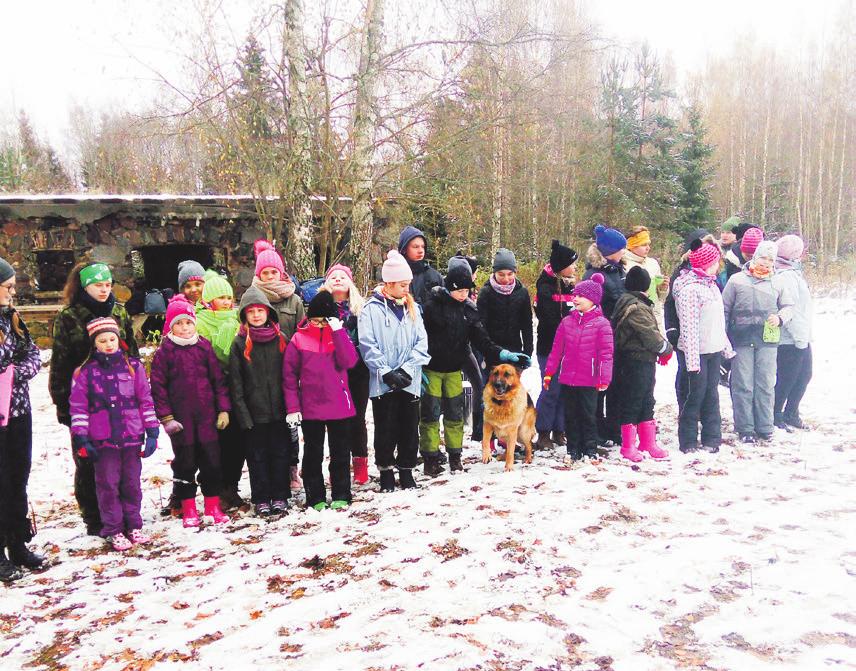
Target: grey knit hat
[(6, 270), (189, 270), (504, 260)]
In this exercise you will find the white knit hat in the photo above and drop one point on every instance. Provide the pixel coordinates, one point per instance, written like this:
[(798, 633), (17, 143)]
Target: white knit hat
[(395, 268)]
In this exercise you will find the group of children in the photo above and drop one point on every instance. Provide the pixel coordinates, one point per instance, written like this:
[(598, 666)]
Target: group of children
[(230, 384)]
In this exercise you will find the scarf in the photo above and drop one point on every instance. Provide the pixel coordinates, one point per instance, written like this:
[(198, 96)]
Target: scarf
[(183, 342), (344, 311), (396, 305), (276, 290), (219, 328), (788, 264), (503, 289), (97, 308), (759, 272), (260, 334)]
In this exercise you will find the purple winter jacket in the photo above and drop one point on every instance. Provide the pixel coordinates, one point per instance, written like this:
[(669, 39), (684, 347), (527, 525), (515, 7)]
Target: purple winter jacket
[(583, 345), (188, 384), (110, 404), (315, 373)]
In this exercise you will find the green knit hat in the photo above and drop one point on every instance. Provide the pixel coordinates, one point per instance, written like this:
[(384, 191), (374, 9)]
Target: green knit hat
[(95, 272), (215, 286)]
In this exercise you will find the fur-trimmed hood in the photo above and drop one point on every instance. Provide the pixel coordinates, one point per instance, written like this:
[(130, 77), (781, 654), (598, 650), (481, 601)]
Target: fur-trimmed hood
[(594, 259)]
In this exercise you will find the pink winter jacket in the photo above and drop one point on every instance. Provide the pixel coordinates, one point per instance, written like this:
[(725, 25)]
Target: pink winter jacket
[(583, 346)]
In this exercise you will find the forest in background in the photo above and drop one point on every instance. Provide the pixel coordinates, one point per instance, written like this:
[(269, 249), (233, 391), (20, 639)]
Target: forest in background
[(502, 123)]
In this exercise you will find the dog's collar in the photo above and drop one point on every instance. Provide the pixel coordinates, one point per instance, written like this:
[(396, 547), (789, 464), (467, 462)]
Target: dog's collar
[(497, 401)]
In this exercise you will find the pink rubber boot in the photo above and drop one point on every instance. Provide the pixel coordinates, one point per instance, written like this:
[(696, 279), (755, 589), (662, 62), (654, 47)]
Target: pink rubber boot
[(648, 440), (212, 509), (189, 515), (361, 470), (628, 443)]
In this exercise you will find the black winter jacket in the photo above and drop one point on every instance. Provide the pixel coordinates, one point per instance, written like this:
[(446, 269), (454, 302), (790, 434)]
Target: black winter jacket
[(552, 305), (256, 385), (507, 319), (451, 326), (425, 278), (613, 278)]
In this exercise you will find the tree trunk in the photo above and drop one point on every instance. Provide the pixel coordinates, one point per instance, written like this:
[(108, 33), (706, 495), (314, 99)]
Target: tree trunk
[(763, 217), (836, 238)]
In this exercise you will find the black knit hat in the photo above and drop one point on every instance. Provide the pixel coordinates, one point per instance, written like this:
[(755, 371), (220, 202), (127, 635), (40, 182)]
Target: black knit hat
[(740, 230), (459, 277), (471, 261), (637, 279), (561, 257), (322, 305), (695, 234)]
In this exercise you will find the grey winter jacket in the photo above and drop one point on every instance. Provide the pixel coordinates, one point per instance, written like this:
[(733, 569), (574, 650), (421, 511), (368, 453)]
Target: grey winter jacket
[(749, 301), (798, 330), (387, 343)]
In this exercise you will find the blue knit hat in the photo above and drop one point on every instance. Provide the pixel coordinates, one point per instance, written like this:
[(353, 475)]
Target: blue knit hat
[(608, 240)]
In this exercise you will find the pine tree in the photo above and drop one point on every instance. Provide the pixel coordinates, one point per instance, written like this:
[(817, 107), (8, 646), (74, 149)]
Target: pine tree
[(694, 159)]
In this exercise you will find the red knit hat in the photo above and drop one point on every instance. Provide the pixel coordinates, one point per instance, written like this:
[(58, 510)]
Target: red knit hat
[(703, 255), (267, 257), (751, 239), (179, 308)]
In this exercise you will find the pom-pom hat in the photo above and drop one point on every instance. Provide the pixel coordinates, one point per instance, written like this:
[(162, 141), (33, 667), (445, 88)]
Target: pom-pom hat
[(395, 268), (267, 257), (591, 288), (703, 254), (179, 308)]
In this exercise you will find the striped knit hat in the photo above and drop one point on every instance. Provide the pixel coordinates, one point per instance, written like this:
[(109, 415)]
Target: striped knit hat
[(100, 325)]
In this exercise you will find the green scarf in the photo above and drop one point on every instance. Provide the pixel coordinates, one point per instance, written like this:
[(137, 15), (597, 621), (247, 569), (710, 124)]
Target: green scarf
[(220, 328)]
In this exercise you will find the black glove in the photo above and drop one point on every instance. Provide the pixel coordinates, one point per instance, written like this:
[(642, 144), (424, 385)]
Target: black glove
[(397, 379), (84, 448)]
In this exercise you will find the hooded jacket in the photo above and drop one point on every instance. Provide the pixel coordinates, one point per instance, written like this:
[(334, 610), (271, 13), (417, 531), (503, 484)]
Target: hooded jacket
[(425, 278), (315, 373), (635, 331), (613, 278), (388, 343), (798, 331), (451, 326), (584, 348), (749, 301), (507, 319), (22, 353), (256, 385), (552, 304)]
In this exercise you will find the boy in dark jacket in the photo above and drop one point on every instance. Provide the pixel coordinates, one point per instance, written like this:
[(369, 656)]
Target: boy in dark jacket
[(505, 308), (412, 246), (553, 302), (638, 344), (452, 323), (255, 382)]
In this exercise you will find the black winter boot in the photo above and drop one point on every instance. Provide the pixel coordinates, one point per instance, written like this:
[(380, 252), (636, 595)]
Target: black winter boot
[(405, 478), (432, 466), (21, 555), (441, 457), (8, 571), (455, 462), (387, 480)]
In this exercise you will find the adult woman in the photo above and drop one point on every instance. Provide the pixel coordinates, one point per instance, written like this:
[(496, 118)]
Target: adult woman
[(88, 294), (19, 363), (638, 253)]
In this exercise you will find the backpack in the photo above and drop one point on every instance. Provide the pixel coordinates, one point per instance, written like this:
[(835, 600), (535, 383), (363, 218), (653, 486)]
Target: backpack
[(154, 303)]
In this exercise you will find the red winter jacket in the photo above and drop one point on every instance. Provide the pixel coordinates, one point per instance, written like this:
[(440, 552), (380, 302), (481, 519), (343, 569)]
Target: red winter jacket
[(583, 346)]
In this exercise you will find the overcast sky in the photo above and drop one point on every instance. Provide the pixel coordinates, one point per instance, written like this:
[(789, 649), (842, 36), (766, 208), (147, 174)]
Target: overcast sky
[(98, 53)]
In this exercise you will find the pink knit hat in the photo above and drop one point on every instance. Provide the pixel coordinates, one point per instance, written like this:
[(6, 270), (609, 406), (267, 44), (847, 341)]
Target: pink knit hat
[(179, 308), (341, 267), (791, 247), (395, 268), (751, 240), (703, 255), (591, 288), (267, 257)]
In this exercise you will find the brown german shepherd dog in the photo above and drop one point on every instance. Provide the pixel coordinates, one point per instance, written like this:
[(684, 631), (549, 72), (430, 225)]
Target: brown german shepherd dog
[(509, 413)]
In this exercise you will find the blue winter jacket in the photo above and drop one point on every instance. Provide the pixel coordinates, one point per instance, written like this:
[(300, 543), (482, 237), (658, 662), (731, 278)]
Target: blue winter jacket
[(388, 343)]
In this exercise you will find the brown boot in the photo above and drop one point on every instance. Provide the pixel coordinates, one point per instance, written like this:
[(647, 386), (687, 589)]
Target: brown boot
[(559, 438), (543, 443)]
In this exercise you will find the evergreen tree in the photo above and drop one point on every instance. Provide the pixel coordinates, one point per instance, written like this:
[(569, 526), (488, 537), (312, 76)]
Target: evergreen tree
[(696, 170)]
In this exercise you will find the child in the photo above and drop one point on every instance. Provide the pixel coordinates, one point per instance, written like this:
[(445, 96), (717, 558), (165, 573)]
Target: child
[(19, 363), (88, 293), (701, 345), (315, 384), (756, 306), (255, 381), (638, 345), (111, 408), (395, 347), (452, 324), (281, 290), (339, 282), (794, 354), (552, 304), (191, 280), (217, 322), (192, 402), (583, 350)]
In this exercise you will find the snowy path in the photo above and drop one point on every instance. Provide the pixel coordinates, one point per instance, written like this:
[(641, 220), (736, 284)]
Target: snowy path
[(741, 560)]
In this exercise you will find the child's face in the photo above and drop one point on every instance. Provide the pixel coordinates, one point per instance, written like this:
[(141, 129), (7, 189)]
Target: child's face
[(193, 291), (460, 295), (106, 343), (642, 250), (568, 274), (256, 315), (338, 282), (505, 277), (222, 303), (397, 289), (270, 275), (100, 291), (582, 304), (184, 328), (763, 263), (7, 291)]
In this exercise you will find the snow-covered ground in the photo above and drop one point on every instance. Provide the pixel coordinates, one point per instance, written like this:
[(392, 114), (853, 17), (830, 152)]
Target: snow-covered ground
[(741, 560)]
